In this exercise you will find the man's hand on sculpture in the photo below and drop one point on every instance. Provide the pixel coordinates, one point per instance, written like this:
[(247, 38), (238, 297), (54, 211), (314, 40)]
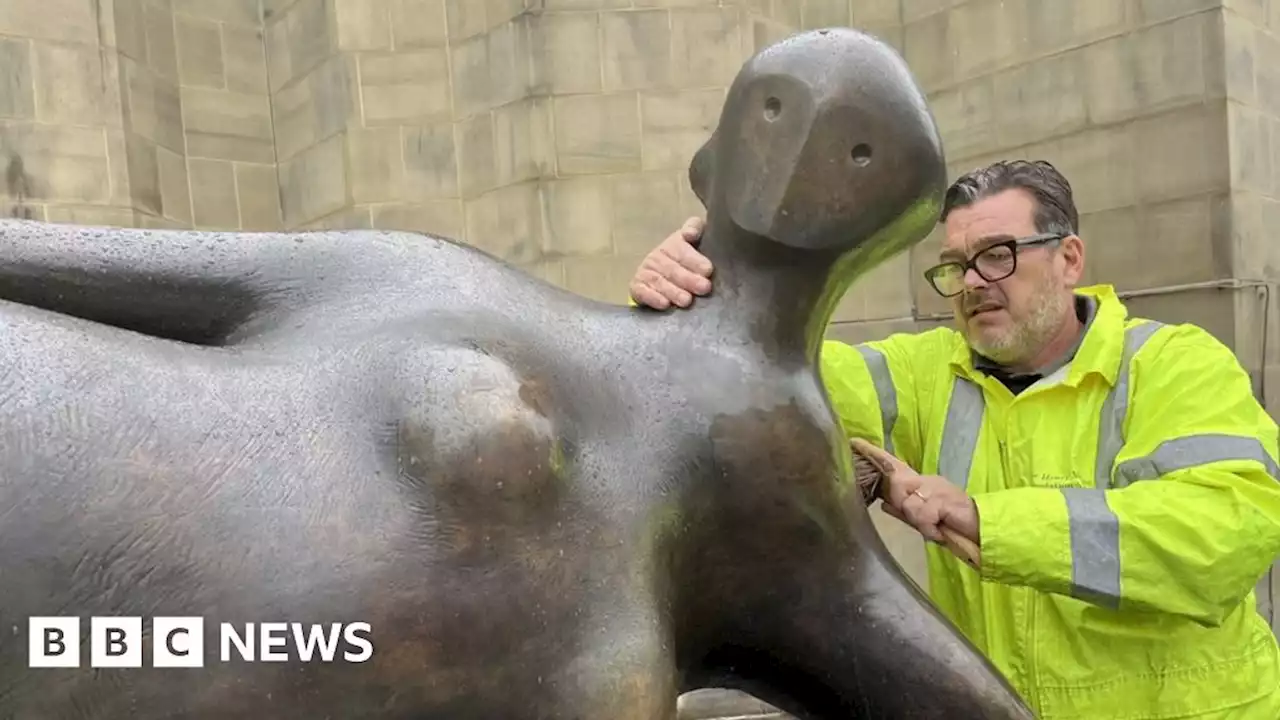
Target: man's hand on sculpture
[(674, 272), (925, 502)]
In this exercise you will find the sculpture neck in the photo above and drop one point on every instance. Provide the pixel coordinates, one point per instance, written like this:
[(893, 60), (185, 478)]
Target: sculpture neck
[(780, 297)]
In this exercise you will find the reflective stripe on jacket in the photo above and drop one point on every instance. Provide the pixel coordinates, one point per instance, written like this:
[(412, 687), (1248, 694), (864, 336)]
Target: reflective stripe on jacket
[(1129, 503)]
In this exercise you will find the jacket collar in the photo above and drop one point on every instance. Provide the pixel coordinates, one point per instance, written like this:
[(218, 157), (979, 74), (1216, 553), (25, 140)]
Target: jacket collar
[(1099, 351)]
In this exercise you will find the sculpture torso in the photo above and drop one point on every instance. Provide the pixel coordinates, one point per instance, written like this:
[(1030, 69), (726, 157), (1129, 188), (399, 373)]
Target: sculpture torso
[(426, 465)]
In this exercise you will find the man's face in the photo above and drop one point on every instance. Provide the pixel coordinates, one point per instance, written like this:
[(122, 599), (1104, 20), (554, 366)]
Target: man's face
[(1011, 320)]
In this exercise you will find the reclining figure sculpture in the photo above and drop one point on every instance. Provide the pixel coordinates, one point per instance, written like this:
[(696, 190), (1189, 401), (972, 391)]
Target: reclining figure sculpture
[(545, 507)]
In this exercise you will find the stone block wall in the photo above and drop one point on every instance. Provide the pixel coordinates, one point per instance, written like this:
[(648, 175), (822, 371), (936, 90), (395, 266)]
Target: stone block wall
[(62, 138)]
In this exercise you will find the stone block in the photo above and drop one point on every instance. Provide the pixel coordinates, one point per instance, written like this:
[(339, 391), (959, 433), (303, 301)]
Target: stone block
[(273, 10), (17, 82), (349, 218), (147, 221), (1239, 58), (363, 24), (430, 162), (298, 41), (597, 133), (507, 222), (442, 218), (586, 4), (1249, 137), (913, 10), (579, 217), (130, 32), (152, 106), (214, 201), (1268, 69), (816, 14), (523, 143), (636, 47), (258, 197), (675, 124), (313, 183), (417, 24), (162, 49), (925, 255), (477, 164), (54, 163), (1101, 231), (604, 279), (225, 125), (930, 49), (144, 174), (1154, 11), (375, 164), (60, 20), (1053, 25), (764, 33), (882, 294), (1183, 152), (969, 119), (200, 53), (244, 13), (571, 52), (1041, 99), (92, 215), (77, 85), (118, 167), (493, 68), (1211, 309), (875, 13), (988, 34), (175, 186), (1101, 164), (706, 45), (405, 88), (789, 14), (1178, 243), (315, 107), (1149, 71), (466, 18), (644, 210), (244, 60)]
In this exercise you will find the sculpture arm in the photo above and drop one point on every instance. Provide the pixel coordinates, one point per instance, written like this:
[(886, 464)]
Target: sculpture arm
[(197, 287), (1192, 519), (872, 391)]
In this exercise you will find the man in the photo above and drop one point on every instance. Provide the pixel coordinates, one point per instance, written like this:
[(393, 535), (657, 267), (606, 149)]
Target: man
[(1117, 475)]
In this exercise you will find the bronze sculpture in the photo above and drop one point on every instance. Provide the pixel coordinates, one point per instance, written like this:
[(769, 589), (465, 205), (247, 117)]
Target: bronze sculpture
[(545, 507)]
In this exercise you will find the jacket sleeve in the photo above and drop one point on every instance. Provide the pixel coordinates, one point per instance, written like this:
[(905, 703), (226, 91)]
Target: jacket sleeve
[(1191, 519), (873, 392)]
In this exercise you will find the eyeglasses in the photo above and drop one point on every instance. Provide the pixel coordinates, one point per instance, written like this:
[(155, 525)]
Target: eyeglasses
[(993, 263)]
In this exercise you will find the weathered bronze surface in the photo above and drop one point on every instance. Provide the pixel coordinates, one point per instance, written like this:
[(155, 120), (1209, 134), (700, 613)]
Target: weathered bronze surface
[(546, 507)]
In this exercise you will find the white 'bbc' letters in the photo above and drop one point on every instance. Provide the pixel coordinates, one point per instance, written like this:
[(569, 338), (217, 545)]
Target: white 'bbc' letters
[(115, 642), (177, 642), (53, 642)]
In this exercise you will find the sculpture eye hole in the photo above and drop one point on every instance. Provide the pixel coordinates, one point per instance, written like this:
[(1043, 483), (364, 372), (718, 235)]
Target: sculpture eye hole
[(861, 154), (772, 108)]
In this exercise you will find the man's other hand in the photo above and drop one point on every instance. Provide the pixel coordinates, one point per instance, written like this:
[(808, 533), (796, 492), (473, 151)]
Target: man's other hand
[(925, 502), (675, 271)]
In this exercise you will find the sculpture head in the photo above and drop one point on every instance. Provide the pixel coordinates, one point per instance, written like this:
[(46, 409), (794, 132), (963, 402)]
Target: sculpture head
[(825, 142)]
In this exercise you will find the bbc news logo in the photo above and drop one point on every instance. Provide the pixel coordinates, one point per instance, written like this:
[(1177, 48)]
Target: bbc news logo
[(178, 642)]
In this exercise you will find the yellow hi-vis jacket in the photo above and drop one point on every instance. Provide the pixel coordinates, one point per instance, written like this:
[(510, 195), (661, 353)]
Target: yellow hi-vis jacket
[(1128, 505)]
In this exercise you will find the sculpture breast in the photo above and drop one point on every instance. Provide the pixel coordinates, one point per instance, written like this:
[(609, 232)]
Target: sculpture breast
[(543, 506)]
